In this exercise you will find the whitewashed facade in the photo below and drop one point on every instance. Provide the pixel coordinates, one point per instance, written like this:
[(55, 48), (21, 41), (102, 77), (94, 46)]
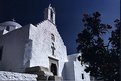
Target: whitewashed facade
[(41, 45)]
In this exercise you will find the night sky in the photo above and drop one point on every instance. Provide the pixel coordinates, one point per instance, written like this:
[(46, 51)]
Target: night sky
[(69, 14)]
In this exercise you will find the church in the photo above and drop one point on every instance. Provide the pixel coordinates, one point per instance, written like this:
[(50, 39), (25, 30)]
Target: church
[(39, 49)]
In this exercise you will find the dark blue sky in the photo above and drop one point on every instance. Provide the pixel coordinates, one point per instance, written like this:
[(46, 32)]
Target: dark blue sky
[(68, 14)]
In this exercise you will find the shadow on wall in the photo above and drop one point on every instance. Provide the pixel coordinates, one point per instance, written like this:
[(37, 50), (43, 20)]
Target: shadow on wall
[(64, 72)]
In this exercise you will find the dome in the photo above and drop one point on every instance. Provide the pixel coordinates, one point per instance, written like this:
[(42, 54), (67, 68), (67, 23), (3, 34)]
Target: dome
[(10, 23)]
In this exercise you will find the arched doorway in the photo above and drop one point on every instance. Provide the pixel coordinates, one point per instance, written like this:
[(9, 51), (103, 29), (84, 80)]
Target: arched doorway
[(53, 69)]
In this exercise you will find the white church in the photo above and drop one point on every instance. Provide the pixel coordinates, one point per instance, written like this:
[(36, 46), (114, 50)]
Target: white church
[(40, 50)]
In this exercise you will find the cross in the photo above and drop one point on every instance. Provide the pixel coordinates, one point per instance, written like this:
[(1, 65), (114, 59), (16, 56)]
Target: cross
[(13, 20), (49, 5), (53, 49)]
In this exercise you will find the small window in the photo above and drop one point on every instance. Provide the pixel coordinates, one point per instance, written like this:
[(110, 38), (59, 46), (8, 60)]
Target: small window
[(53, 37), (79, 58), (1, 52), (7, 28), (82, 76)]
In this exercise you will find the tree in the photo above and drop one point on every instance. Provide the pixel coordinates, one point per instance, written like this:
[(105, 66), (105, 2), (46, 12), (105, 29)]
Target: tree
[(116, 50), (95, 52)]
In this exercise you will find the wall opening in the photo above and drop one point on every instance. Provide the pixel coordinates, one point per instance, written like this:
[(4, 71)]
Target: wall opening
[(1, 52), (51, 15), (53, 69), (82, 76), (8, 28)]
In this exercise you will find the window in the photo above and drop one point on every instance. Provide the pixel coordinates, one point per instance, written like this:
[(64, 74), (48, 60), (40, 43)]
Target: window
[(53, 37), (1, 52), (7, 28), (82, 76), (79, 58)]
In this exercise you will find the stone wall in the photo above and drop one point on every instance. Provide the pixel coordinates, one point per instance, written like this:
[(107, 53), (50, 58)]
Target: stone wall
[(17, 76)]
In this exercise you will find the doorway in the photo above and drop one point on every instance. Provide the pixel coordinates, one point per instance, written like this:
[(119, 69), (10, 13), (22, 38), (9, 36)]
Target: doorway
[(53, 69)]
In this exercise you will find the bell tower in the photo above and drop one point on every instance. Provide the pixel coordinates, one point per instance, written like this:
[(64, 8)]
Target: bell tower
[(49, 14)]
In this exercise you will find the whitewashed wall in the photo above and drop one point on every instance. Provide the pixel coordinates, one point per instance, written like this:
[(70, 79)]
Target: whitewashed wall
[(74, 69), (41, 45), (79, 70), (13, 49), (69, 71)]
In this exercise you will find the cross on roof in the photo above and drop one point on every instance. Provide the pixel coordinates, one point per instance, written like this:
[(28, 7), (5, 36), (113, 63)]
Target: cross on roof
[(13, 20)]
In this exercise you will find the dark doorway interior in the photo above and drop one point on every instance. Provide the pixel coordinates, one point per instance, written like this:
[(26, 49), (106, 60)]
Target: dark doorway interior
[(54, 69), (1, 52)]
